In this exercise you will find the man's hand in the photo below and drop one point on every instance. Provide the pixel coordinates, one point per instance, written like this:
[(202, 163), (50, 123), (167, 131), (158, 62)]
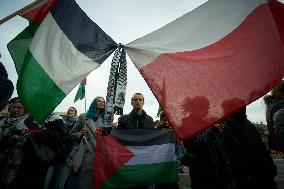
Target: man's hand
[(14, 138), (220, 126), (84, 131), (114, 125)]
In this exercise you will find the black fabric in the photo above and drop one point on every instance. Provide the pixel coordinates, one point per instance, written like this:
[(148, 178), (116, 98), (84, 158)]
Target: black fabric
[(69, 123), (6, 87), (3, 72), (32, 172), (256, 159), (276, 127), (235, 157), (133, 121), (143, 137), (52, 136), (167, 186), (86, 36)]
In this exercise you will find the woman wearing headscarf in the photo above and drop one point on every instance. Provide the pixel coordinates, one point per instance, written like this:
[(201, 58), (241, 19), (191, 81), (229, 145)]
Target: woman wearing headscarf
[(13, 138), (40, 151), (10, 130), (85, 132)]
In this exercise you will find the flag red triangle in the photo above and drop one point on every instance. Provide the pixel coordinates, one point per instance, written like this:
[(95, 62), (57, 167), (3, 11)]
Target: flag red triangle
[(110, 156), (38, 12)]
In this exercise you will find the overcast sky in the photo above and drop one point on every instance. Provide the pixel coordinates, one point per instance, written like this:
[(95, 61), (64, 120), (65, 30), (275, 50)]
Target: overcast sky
[(124, 21)]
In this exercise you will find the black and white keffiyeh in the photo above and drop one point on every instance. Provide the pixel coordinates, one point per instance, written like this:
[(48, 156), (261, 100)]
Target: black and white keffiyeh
[(116, 90)]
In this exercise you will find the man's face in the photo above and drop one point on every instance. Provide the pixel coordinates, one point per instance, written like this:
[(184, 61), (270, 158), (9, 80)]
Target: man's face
[(137, 102)]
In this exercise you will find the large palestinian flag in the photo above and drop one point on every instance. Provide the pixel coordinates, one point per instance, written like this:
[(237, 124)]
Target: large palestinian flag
[(59, 48), (212, 61), (135, 157)]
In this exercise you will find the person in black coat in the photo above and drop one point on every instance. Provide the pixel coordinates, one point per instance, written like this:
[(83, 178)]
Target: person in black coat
[(230, 155), (275, 117), (6, 87), (137, 118)]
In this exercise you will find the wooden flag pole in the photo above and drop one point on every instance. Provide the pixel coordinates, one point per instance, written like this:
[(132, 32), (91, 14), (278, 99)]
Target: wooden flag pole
[(20, 11), (85, 100)]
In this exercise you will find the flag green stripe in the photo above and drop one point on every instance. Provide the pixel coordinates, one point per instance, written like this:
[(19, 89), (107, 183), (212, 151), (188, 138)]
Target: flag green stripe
[(135, 175), (18, 47), (80, 93), (34, 85)]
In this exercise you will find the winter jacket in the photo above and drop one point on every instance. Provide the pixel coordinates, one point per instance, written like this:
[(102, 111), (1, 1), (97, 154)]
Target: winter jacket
[(6, 87), (134, 121)]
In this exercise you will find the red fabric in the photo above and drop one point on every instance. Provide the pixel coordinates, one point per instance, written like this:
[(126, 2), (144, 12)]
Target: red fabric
[(110, 156), (198, 88), (277, 10), (38, 13)]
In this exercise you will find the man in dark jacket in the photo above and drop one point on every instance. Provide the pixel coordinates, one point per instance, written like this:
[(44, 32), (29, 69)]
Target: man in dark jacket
[(137, 118), (6, 87)]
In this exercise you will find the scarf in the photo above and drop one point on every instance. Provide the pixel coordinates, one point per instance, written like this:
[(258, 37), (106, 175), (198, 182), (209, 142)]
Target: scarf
[(116, 86)]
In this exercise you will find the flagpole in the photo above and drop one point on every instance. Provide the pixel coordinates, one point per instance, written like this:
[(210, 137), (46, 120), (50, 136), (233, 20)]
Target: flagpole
[(20, 11), (85, 100)]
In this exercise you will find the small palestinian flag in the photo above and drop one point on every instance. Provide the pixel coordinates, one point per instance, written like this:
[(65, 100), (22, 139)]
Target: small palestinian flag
[(135, 157)]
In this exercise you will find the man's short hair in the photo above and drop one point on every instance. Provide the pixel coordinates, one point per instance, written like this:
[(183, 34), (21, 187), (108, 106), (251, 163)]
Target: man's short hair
[(137, 94)]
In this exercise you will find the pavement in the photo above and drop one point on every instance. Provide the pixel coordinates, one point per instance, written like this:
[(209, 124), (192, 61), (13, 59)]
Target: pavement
[(184, 179), (279, 162)]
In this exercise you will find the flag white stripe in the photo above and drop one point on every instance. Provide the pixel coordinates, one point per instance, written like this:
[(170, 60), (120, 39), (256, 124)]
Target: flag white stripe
[(218, 18), (56, 54), (152, 154)]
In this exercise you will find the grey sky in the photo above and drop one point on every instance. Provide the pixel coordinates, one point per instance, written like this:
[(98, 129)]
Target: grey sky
[(124, 21)]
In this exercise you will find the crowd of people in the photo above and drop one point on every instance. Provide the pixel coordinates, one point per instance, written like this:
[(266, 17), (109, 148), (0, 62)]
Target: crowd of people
[(228, 155)]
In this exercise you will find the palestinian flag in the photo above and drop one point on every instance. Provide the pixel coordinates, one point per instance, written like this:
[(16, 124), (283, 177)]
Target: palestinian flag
[(212, 61), (18, 47), (59, 48), (135, 157), (81, 90)]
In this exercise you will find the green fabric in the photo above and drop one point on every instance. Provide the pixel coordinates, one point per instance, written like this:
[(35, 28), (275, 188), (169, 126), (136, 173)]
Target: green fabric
[(80, 93), (159, 111), (141, 175), (18, 47), (34, 85)]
